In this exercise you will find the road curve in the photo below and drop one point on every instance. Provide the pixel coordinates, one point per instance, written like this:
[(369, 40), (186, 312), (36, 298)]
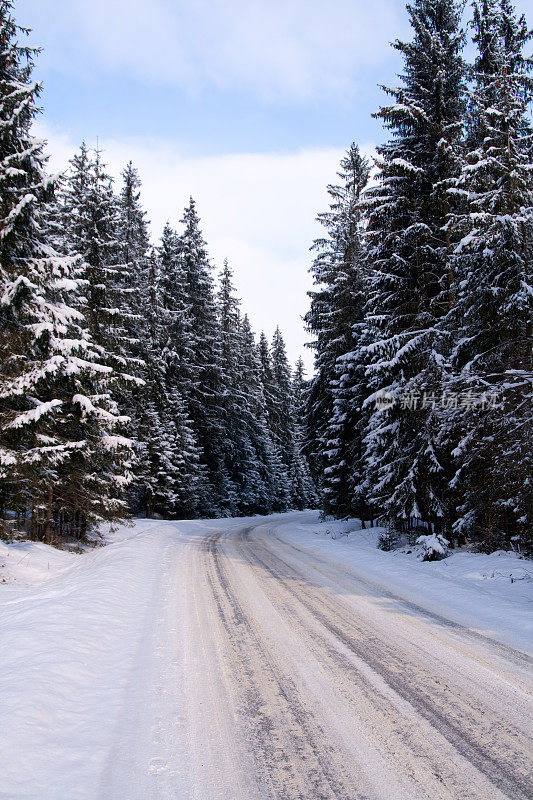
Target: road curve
[(305, 681)]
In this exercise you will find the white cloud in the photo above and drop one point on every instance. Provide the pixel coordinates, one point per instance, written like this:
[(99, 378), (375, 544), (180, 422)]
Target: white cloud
[(258, 210), (279, 48)]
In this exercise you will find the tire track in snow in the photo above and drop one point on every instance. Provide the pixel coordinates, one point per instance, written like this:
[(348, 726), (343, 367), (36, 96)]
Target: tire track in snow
[(492, 746), (293, 760), (374, 588)]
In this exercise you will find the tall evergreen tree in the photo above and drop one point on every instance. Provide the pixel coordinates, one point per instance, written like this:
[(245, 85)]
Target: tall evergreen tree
[(132, 274), (282, 401), (178, 480), (205, 393), (272, 398), (90, 214), (268, 477), (170, 480), (494, 295), (61, 463), (176, 322), (335, 394), (303, 491), (250, 457), (132, 224), (238, 451), (409, 248), (133, 267)]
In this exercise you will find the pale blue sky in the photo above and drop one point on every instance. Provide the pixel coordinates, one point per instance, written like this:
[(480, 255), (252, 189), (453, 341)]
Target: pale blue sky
[(246, 105)]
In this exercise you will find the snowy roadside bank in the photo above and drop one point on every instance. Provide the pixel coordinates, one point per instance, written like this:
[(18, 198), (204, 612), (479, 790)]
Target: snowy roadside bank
[(79, 638), (68, 647), (491, 594)]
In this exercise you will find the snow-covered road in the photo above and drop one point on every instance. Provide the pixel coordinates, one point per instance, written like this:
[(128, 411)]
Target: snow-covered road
[(264, 668)]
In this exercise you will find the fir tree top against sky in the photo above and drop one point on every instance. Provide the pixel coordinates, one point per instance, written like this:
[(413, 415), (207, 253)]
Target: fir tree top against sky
[(246, 105)]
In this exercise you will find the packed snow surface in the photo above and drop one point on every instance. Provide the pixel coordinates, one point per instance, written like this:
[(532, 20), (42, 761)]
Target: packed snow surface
[(249, 659)]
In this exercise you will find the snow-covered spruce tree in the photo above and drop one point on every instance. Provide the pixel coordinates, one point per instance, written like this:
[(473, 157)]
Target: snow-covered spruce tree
[(282, 401), (132, 269), (408, 251), (303, 490), (133, 266), (132, 224), (91, 222), (493, 287), (170, 481), (334, 413), (272, 399), (173, 354), (155, 424), (239, 457), (61, 467), (204, 393), (176, 322), (247, 445), (269, 478)]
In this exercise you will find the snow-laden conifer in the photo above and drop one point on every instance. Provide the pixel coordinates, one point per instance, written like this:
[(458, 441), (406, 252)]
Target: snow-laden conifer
[(62, 464), (335, 395), (493, 311), (410, 283), (205, 390)]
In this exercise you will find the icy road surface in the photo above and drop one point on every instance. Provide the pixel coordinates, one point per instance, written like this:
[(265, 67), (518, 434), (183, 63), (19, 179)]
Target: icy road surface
[(266, 669)]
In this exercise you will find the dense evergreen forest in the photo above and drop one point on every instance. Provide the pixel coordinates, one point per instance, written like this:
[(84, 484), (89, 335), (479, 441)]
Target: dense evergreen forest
[(131, 381), (420, 412)]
